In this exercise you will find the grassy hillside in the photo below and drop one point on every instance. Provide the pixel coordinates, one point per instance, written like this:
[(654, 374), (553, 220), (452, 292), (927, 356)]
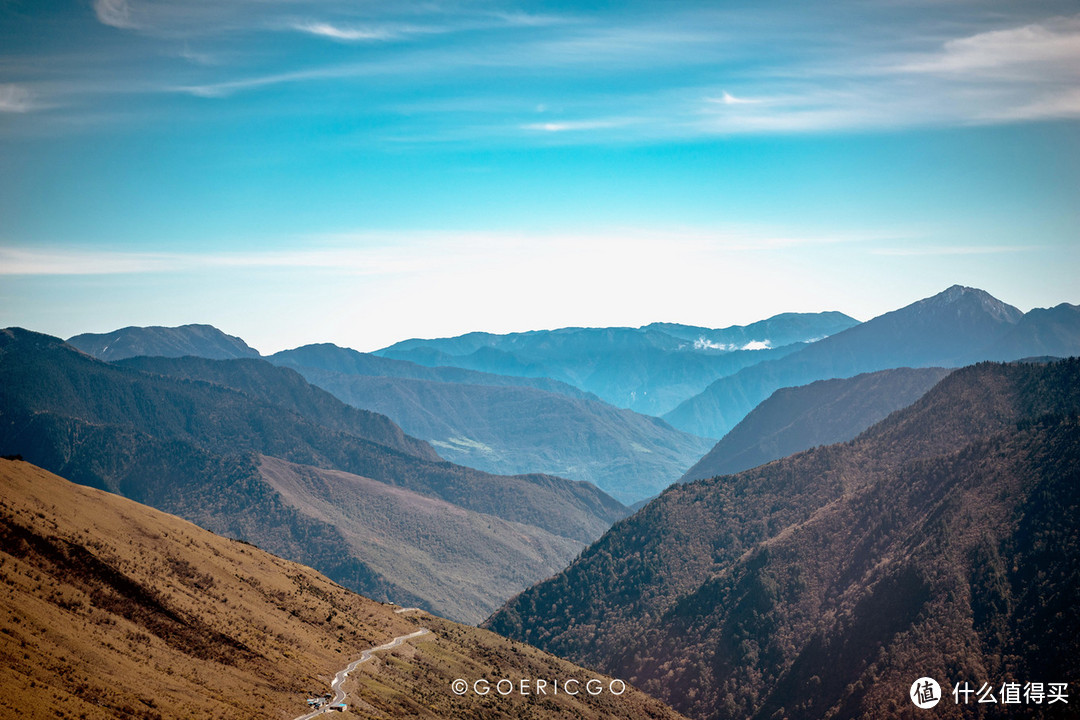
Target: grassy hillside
[(110, 609), (456, 562)]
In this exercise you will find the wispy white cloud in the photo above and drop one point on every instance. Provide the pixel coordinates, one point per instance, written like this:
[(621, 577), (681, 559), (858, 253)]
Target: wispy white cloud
[(1029, 52), (589, 47), (331, 72), (15, 261), (625, 71), (357, 261), (524, 19), (1027, 72), (116, 13), (1063, 104), (727, 98), (15, 99), (345, 33), (198, 58), (625, 45), (578, 125), (706, 344), (1024, 73), (371, 253), (955, 250)]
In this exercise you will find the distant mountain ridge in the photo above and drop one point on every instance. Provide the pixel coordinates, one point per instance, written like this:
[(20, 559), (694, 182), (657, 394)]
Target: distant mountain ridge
[(346, 361), (199, 340), (958, 326), (1053, 332), (648, 369), (782, 329), (824, 412), (944, 541), (776, 331)]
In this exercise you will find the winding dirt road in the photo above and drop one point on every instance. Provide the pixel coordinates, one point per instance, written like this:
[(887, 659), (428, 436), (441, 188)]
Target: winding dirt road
[(342, 675)]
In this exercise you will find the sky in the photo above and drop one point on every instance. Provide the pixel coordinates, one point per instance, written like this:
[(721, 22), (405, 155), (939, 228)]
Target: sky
[(361, 172)]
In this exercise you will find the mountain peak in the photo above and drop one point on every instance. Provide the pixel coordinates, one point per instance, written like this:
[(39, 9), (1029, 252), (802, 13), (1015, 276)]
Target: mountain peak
[(199, 340), (973, 298)]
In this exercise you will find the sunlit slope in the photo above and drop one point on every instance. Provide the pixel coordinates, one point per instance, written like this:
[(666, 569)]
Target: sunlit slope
[(110, 609)]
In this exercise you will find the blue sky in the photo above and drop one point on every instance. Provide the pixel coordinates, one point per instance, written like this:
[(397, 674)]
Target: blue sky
[(361, 172)]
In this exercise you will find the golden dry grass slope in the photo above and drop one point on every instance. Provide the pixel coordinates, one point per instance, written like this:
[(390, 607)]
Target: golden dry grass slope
[(110, 609)]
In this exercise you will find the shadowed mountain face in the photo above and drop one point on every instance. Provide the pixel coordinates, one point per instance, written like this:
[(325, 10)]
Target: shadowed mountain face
[(198, 340), (822, 413), (1051, 332), (955, 327), (193, 448), (509, 428), (649, 370), (112, 609), (943, 541)]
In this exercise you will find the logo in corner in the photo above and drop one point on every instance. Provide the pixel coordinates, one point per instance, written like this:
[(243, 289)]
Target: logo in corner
[(925, 693)]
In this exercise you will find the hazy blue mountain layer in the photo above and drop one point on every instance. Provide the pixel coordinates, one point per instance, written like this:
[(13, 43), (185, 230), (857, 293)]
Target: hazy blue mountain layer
[(822, 413), (649, 369), (511, 429)]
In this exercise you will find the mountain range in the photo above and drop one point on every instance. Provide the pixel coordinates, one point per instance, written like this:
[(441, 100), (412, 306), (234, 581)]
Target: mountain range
[(958, 326), (515, 423), (869, 516), (200, 438), (112, 609), (648, 369), (944, 542)]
